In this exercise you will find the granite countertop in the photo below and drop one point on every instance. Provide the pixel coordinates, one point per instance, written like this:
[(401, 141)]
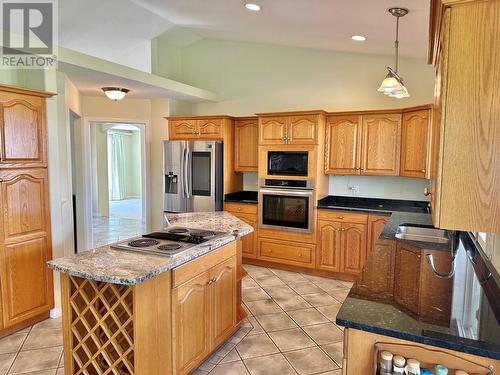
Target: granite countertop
[(336, 202), (129, 268), (245, 196)]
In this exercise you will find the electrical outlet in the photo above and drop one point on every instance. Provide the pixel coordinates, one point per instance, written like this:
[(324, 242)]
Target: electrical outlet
[(354, 189)]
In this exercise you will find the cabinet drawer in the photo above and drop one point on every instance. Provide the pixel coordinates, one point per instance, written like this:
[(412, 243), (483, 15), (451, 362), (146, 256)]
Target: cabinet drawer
[(343, 216), (244, 208), (197, 266), (286, 252)]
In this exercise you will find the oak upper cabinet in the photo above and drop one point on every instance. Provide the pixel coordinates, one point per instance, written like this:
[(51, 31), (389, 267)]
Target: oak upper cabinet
[(191, 323), (329, 245), (415, 131), (468, 176), (303, 130), (246, 144), (407, 276), (223, 301), (205, 127), (290, 128), (26, 282), (182, 129), (273, 130), (343, 144), (381, 144), (209, 128), (23, 130), (353, 247)]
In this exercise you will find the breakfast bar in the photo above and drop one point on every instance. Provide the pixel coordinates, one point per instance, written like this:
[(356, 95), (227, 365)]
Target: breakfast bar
[(127, 312)]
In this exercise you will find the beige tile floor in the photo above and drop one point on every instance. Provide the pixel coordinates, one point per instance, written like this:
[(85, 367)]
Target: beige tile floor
[(290, 330)]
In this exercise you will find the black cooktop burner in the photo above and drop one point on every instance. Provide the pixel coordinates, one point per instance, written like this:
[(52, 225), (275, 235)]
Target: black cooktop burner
[(169, 246), (143, 242), (178, 230), (206, 233)]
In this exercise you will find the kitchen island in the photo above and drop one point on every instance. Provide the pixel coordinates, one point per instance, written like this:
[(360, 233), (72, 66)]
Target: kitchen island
[(134, 313)]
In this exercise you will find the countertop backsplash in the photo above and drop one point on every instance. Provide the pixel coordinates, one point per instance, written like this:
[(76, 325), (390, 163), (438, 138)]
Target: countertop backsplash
[(379, 187)]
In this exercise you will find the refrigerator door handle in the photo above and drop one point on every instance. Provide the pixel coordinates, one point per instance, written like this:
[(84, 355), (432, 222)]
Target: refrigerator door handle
[(186, 183)]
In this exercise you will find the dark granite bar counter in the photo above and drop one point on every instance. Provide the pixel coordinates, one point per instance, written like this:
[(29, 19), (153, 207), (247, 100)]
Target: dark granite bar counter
[(242, 197), (424, 308)]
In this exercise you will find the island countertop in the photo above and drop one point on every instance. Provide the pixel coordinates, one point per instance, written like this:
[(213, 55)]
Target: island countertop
[(109, 265)]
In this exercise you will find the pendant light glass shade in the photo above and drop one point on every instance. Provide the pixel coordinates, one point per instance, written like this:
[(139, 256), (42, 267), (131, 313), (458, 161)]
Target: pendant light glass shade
[(393, 85)]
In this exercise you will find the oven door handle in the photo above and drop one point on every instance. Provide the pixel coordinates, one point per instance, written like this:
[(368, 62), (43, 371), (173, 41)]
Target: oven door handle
[(290, 192)]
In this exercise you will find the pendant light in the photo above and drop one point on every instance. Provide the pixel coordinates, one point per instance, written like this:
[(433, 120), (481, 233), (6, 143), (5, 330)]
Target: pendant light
[(393, 85), (115, 93)]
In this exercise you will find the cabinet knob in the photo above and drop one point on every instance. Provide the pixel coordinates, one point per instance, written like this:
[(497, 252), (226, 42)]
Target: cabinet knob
[(423, 170), (300, 255), (427, 191)]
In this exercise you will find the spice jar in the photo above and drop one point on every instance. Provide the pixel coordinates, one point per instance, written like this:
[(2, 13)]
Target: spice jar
[(440, 370), (413, 367), (385, 364), (398, 363)]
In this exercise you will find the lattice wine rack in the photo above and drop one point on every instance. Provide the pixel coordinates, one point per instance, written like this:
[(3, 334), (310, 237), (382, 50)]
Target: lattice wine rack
[(101, 327)]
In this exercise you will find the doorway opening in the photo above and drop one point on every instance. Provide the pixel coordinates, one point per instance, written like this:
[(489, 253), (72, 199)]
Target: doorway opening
[(118, 196)]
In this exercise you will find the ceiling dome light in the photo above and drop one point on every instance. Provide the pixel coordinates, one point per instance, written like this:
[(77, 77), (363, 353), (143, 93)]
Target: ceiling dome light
[(115, 93), (358, 38), (251, 6)]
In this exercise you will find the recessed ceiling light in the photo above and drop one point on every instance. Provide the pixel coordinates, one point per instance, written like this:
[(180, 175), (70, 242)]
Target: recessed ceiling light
[(358, 38), (251, 6)]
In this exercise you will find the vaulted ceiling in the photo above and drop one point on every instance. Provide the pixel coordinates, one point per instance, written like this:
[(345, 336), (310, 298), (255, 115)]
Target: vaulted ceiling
[(121, 30)]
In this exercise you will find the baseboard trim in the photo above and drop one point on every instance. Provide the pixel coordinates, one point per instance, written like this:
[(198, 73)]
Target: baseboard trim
[(55, 313)]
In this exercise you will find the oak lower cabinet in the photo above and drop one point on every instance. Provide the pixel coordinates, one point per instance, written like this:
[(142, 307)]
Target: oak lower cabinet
[(246, 144), (204, 314), (341, 241), (407, 280), (376, 224), (246, 212)]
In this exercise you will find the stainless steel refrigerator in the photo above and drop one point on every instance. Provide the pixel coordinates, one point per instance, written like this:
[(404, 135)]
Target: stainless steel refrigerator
[(193, 178)]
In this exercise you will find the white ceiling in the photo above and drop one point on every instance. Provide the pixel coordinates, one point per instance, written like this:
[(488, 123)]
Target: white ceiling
[(120, 30)]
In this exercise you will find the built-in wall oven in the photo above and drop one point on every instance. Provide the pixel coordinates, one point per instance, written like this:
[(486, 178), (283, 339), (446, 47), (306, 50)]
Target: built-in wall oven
[(286, 205)]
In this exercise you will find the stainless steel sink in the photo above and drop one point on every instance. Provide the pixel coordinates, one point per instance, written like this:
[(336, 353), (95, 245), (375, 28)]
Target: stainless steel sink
[(422, 233)]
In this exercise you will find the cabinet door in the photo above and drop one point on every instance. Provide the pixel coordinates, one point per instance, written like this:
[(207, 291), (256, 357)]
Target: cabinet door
[(376, 224), (329, 245), (22, 131), (246, 145), (223, 300), (414, 143), (26, 282), (182, 129), (272, 130), (353, 247), (377, 277), (407, 277), (209, 128), (303, 130), (191, 323), (249, 242), (381, 144), (343, 141)]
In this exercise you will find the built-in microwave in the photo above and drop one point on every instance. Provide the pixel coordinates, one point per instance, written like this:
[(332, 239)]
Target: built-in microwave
[(287, 163), (286, 205)]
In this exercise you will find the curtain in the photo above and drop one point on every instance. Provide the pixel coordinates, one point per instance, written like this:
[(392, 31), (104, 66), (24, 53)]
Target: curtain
[(116, 166)]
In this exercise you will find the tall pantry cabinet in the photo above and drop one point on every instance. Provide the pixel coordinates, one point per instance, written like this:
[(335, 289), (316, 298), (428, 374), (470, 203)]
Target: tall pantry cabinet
[(26, 288)]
